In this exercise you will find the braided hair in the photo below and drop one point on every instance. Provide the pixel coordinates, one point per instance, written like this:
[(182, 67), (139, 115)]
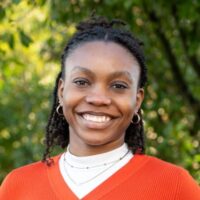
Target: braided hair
[(96, 29)]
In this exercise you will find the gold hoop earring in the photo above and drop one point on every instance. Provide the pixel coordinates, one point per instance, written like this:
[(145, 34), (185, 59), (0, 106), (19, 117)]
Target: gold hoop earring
[(136, 119), (57, 110)]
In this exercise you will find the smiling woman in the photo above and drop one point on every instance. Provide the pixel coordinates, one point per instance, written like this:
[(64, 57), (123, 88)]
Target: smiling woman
[(96, 116), (99, 95)]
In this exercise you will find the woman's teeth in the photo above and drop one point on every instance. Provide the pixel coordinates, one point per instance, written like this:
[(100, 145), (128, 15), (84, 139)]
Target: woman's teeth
[(94, 118)]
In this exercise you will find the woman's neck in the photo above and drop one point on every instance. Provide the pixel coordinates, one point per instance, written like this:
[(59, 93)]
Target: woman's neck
[(90, 150)]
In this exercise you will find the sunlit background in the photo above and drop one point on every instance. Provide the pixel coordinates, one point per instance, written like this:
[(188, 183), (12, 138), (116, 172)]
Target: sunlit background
[(32, 37)]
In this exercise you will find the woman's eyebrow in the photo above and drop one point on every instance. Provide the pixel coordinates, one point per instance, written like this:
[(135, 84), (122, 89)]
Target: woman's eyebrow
[(125, 74), (113, 75), (83, 69)]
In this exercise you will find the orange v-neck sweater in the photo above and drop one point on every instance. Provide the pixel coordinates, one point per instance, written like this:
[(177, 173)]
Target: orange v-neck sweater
[(143, 178)]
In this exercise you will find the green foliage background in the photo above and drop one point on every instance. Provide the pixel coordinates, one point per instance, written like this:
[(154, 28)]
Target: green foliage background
[(33, 34)]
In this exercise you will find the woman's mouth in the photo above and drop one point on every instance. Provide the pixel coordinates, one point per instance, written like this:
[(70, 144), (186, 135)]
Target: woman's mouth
[(95, 118)]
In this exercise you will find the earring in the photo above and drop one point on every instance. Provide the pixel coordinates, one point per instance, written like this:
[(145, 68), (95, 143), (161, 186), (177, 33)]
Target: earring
[(136, 119), (58, 110)]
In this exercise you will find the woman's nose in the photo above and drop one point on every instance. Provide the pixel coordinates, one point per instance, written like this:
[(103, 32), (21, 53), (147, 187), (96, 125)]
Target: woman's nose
[(98, 99)]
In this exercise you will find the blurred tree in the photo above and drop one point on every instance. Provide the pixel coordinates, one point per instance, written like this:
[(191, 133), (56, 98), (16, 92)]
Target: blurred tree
[(33, 34)]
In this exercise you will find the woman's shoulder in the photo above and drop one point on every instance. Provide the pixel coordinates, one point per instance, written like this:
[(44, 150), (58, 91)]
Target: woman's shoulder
[(157, 167), (35, 166), (26, 179), (158, 163), (31, 168), (32, 171), (168, 175)]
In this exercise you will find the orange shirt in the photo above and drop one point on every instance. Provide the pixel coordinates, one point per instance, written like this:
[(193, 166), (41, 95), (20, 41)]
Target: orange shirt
[(143, 178)]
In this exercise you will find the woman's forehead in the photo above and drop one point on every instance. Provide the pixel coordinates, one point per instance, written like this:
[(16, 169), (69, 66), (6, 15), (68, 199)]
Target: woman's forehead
[(98, 45), (102, 59), (101, 53)]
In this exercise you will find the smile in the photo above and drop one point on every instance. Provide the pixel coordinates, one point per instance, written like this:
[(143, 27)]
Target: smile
[(95, 118)]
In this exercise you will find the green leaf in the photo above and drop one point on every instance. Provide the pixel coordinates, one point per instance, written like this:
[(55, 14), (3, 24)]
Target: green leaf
[(2, 13), (8, 38), (11, 41), (25, 39)]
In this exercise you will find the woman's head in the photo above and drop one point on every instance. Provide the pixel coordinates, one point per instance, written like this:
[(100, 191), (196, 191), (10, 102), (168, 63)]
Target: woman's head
[(99, 88)]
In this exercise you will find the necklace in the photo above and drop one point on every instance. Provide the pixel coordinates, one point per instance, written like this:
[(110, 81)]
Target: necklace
[(87, 167), (94, 166)]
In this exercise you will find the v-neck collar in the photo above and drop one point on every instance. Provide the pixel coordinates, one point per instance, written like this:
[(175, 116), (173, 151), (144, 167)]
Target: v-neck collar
[(62, 190)]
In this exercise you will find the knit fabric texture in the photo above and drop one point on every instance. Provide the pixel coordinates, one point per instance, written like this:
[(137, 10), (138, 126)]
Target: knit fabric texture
[(143, 177)]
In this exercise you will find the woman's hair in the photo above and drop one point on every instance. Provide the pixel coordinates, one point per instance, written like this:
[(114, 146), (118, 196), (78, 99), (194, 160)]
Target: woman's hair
[(96, 29)]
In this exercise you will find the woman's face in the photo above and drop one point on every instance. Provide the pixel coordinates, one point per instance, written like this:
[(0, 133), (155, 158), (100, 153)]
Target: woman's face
[(99, 96)]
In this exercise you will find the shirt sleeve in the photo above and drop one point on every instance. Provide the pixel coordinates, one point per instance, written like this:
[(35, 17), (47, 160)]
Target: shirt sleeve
[(188, 188), (7, 188)]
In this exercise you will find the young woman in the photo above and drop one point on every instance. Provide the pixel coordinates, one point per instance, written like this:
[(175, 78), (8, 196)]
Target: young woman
[(96, 115)]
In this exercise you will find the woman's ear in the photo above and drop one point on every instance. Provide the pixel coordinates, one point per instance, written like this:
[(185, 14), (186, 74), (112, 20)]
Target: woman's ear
[(139, 99), (60, 91)]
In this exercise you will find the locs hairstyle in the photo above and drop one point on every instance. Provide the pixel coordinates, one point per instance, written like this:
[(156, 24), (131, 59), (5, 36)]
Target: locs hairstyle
[(96, 29)]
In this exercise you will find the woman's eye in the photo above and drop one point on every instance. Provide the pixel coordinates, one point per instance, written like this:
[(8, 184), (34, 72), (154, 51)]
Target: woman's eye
[(81, 82), (119, 86)]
